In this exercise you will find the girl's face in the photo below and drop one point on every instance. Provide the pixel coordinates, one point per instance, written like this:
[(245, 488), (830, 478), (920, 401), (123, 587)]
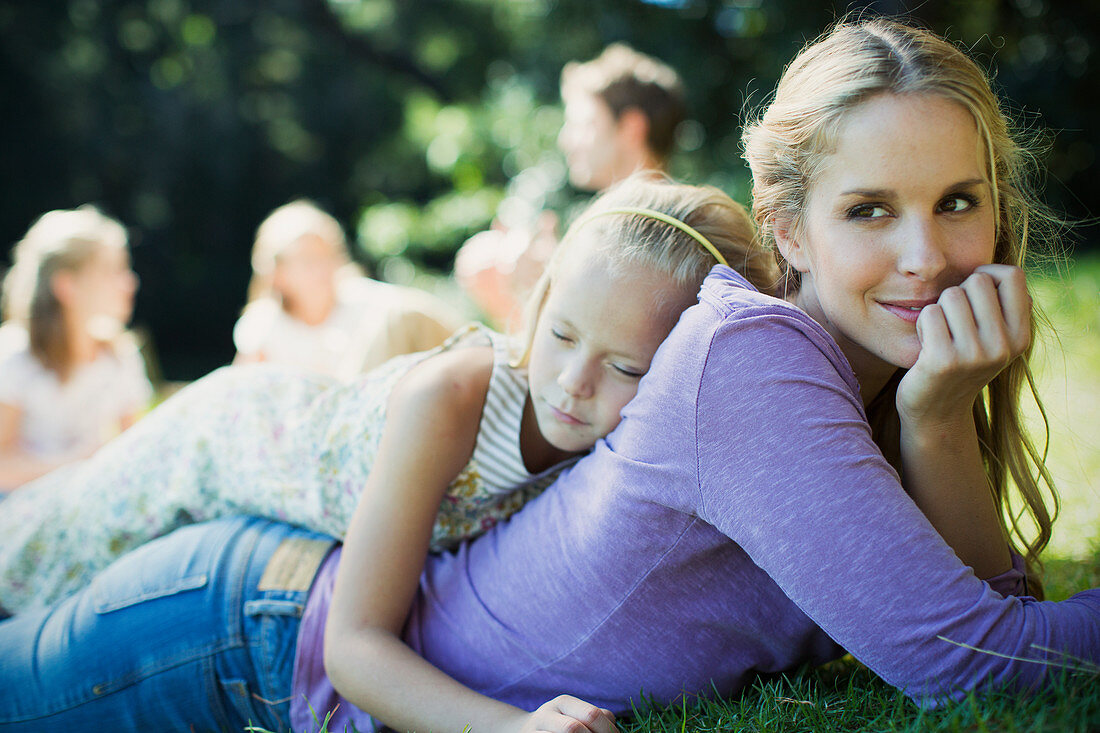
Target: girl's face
[(306, 270), (900, 213), (104, 286), (594, 339)]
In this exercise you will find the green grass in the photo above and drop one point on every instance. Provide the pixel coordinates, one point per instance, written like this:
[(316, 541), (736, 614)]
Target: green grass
[(845, 696)]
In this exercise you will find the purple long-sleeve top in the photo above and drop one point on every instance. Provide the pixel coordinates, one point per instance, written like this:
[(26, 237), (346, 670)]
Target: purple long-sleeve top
[(739, 520)]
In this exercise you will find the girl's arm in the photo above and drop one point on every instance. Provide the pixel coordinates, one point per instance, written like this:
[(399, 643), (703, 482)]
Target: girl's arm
[(431, 424), (17, 467), (967, 338)]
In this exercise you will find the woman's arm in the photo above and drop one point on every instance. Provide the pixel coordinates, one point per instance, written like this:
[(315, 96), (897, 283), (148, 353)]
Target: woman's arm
[(807, 494), (967, 338), (17, 467), (431, 425)]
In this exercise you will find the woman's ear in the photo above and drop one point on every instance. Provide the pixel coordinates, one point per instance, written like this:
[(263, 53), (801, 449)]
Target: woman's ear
[(789, 243), (63, 285)]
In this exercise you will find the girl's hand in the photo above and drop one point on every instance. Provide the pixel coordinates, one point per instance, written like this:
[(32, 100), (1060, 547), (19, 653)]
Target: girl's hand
[(567, 714), (972, 333)]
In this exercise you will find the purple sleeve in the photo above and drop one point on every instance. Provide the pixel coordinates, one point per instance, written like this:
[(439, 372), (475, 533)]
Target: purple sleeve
[(788, 470), (1012, 582)]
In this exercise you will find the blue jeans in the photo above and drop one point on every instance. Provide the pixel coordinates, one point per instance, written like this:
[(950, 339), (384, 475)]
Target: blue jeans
[(174, 636)]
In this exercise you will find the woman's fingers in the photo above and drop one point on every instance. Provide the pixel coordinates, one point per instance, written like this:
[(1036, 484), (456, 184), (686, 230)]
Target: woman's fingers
[(1015, 303), (967, 337), (988, 318)]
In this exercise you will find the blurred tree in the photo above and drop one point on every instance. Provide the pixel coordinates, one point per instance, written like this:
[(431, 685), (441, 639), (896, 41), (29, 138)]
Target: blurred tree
[(191, 119)]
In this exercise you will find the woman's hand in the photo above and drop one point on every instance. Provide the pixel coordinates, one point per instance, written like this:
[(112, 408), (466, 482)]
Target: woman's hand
[(567, 714), (968, 337)]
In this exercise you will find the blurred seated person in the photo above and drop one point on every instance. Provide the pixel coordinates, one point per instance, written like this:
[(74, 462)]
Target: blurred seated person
[(71, 375), (309, 305), (621, 111)]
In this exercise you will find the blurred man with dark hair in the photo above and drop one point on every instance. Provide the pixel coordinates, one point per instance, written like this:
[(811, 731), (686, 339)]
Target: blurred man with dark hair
[(622, 109)]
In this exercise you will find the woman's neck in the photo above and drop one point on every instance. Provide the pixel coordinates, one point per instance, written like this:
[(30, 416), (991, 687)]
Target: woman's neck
[(83, 348), (871, 372)]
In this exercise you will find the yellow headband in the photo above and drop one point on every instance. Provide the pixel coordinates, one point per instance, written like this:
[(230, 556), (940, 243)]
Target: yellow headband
[(670, 220)]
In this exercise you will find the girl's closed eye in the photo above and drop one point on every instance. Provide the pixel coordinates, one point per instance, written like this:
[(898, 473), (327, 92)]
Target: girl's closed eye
[(629, 371), (560, 335)]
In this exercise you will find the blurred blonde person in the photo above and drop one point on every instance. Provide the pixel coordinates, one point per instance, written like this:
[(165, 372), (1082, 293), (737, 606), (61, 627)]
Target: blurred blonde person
[(621, 111), (71, 376), (310, 307)]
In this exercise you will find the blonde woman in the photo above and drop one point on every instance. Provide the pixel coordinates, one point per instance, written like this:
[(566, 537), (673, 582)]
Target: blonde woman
[(71, 376), (310, 307)]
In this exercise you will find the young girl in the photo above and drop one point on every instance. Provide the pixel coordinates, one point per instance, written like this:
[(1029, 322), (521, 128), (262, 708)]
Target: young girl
[(70, 375), (309, 306), (268, 442)]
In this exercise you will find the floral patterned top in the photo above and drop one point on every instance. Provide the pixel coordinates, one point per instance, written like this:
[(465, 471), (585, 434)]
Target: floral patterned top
[(260, 440)]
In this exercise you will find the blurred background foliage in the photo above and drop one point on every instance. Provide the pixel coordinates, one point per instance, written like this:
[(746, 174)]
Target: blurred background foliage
[(191, 119)]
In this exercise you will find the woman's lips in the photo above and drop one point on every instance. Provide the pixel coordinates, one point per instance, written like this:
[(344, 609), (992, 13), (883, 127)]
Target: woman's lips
[(907, 310)]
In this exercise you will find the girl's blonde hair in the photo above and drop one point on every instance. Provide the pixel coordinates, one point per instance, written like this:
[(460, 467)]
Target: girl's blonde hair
[(59, 241), (639, 240), (282, 228), (789, 144)]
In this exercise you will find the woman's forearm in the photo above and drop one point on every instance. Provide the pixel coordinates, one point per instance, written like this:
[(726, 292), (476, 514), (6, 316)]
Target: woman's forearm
[(945, 477), (18, 467)]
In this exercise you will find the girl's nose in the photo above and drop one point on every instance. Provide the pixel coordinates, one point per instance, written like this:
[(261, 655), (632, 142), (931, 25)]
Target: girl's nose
[(922, 250), (575, 379)]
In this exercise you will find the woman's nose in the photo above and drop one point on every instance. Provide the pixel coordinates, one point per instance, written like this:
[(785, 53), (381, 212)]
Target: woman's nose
[(922, 249)]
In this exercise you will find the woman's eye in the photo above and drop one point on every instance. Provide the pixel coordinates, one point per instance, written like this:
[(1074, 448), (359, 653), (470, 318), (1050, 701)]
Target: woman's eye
[(867, 211), (558, 335), (957, 203)]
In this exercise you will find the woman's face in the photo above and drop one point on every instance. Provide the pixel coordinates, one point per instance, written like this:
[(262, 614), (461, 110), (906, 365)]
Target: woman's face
[(901, 212), (104, 286)]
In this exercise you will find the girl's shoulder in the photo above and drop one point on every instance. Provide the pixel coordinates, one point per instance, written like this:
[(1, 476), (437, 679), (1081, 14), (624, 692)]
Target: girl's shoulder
[(449, 382)]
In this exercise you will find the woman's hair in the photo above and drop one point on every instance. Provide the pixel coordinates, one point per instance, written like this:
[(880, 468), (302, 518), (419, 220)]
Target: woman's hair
[(786, 148), (282, 228), (640, 240), (59, 241)]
